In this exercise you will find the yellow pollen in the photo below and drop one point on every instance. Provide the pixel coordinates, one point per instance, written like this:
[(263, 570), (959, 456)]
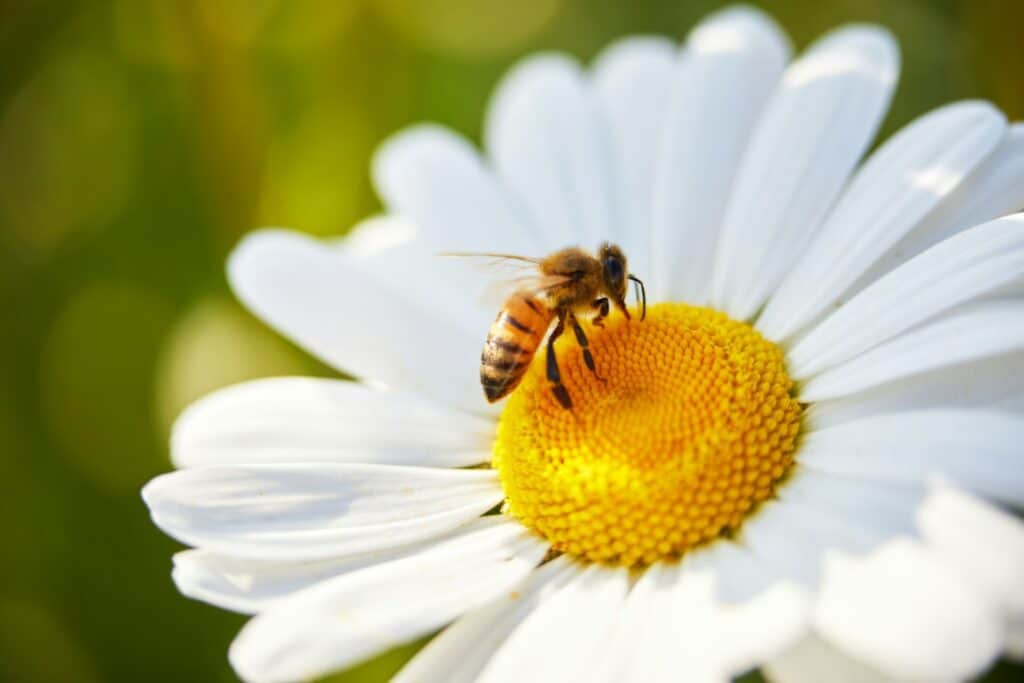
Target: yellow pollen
[(693, 425)]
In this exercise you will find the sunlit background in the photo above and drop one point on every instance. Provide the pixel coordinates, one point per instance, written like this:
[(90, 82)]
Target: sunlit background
[(139, 139)]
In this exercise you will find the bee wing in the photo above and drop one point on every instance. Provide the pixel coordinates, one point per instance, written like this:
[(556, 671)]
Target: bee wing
[(528, 281), (494, 257), (507, 263), (538, 284), (533, 285)]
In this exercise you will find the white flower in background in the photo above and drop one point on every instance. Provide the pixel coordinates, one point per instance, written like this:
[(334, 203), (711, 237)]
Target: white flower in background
[(826, 453)]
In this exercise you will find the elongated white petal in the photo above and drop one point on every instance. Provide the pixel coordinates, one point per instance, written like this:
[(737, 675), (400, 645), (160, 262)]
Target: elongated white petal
[(564, 633), (349, 618), (794, 535), (250, 586), (983, 543), (810, 137), (436, 178), (298, 286), (988, 329), (887, 507), (906, 613), (550, 147), (733, 61), (462, 650), (306, 511), (894, 190), (813, 660), (396, 256), (995, 383), (643, 616), (965, 267), (633, 81), (740, 575), (739, 637), (302, 419), (978, 450), (994, 189), (693, 637), (1015, 640)]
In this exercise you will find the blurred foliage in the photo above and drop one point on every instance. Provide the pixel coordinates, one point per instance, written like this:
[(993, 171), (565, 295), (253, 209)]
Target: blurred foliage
[(140, 138)]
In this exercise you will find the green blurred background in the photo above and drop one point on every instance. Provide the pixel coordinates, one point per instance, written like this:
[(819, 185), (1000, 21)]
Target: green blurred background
[(139, 139)]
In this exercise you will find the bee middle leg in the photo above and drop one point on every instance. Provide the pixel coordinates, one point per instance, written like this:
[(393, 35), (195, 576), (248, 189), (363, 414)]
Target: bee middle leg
[(602, 307), (581, 337), (554, 376)]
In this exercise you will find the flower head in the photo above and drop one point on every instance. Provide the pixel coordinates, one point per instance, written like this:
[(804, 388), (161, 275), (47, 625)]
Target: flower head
[(796, 461)]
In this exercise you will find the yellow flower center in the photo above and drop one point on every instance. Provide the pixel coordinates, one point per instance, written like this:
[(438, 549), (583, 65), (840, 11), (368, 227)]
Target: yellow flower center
[(693, 424)]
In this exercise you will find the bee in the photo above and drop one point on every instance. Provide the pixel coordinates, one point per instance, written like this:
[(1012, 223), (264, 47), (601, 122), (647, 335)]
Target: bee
[(568, 282)]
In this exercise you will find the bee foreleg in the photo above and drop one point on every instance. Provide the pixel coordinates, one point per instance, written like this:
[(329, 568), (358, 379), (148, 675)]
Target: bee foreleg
[(602, 307), (581, 337), (554, 376)]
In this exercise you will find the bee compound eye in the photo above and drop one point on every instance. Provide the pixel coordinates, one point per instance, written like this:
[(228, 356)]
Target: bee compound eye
[(613, 269)]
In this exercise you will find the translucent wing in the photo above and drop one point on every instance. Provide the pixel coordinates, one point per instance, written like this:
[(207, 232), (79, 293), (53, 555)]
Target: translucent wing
[(491, 260), (518, 274)]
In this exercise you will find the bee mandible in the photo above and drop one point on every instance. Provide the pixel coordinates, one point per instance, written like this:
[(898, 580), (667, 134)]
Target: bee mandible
[(567, 283)]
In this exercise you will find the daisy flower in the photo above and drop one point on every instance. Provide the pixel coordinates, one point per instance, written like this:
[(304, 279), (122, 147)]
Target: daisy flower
[(800, 460)]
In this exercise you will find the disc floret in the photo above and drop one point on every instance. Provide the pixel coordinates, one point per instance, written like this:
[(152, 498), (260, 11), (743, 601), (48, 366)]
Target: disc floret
[(693, 424)]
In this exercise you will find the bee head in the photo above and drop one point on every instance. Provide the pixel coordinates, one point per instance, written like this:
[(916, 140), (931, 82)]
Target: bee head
[(613, 265), (615, 275)]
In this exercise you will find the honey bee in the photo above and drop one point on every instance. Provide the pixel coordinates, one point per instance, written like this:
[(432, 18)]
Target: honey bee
[(567, 282)]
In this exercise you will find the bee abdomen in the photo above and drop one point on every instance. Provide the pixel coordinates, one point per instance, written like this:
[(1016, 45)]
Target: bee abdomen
[(511, 343)]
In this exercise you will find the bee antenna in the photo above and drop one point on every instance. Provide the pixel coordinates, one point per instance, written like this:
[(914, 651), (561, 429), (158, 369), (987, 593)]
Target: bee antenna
[(641, 294)]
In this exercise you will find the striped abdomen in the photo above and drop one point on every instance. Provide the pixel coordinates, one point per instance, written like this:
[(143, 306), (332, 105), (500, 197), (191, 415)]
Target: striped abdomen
[(511, 342)]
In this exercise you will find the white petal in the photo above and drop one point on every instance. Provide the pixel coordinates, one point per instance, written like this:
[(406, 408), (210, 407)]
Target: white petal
[(813, 660), (349, 618), (644, 616), (395, 255), (694, 637), (885, 506), (306, 511), (739, 574), (992, 383), (898, 185), (298, 286), (250, 586), (741, 636), (550, 147), (435, 177), (902, 611), (790, 555), (983, 543), (732, 63), (462, 650), (995, 189), (978, 450), (965, 267), (632, 81), (560, 638), (1015, 641), (794, 535), (813, 131), (990, 328), (303, 419)]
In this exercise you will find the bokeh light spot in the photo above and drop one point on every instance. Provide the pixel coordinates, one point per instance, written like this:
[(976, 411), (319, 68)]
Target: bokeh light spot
[(36, 646), (153, 32), (316, 178), (97, 377), (213, 345), (468, 27), (67, 146)]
